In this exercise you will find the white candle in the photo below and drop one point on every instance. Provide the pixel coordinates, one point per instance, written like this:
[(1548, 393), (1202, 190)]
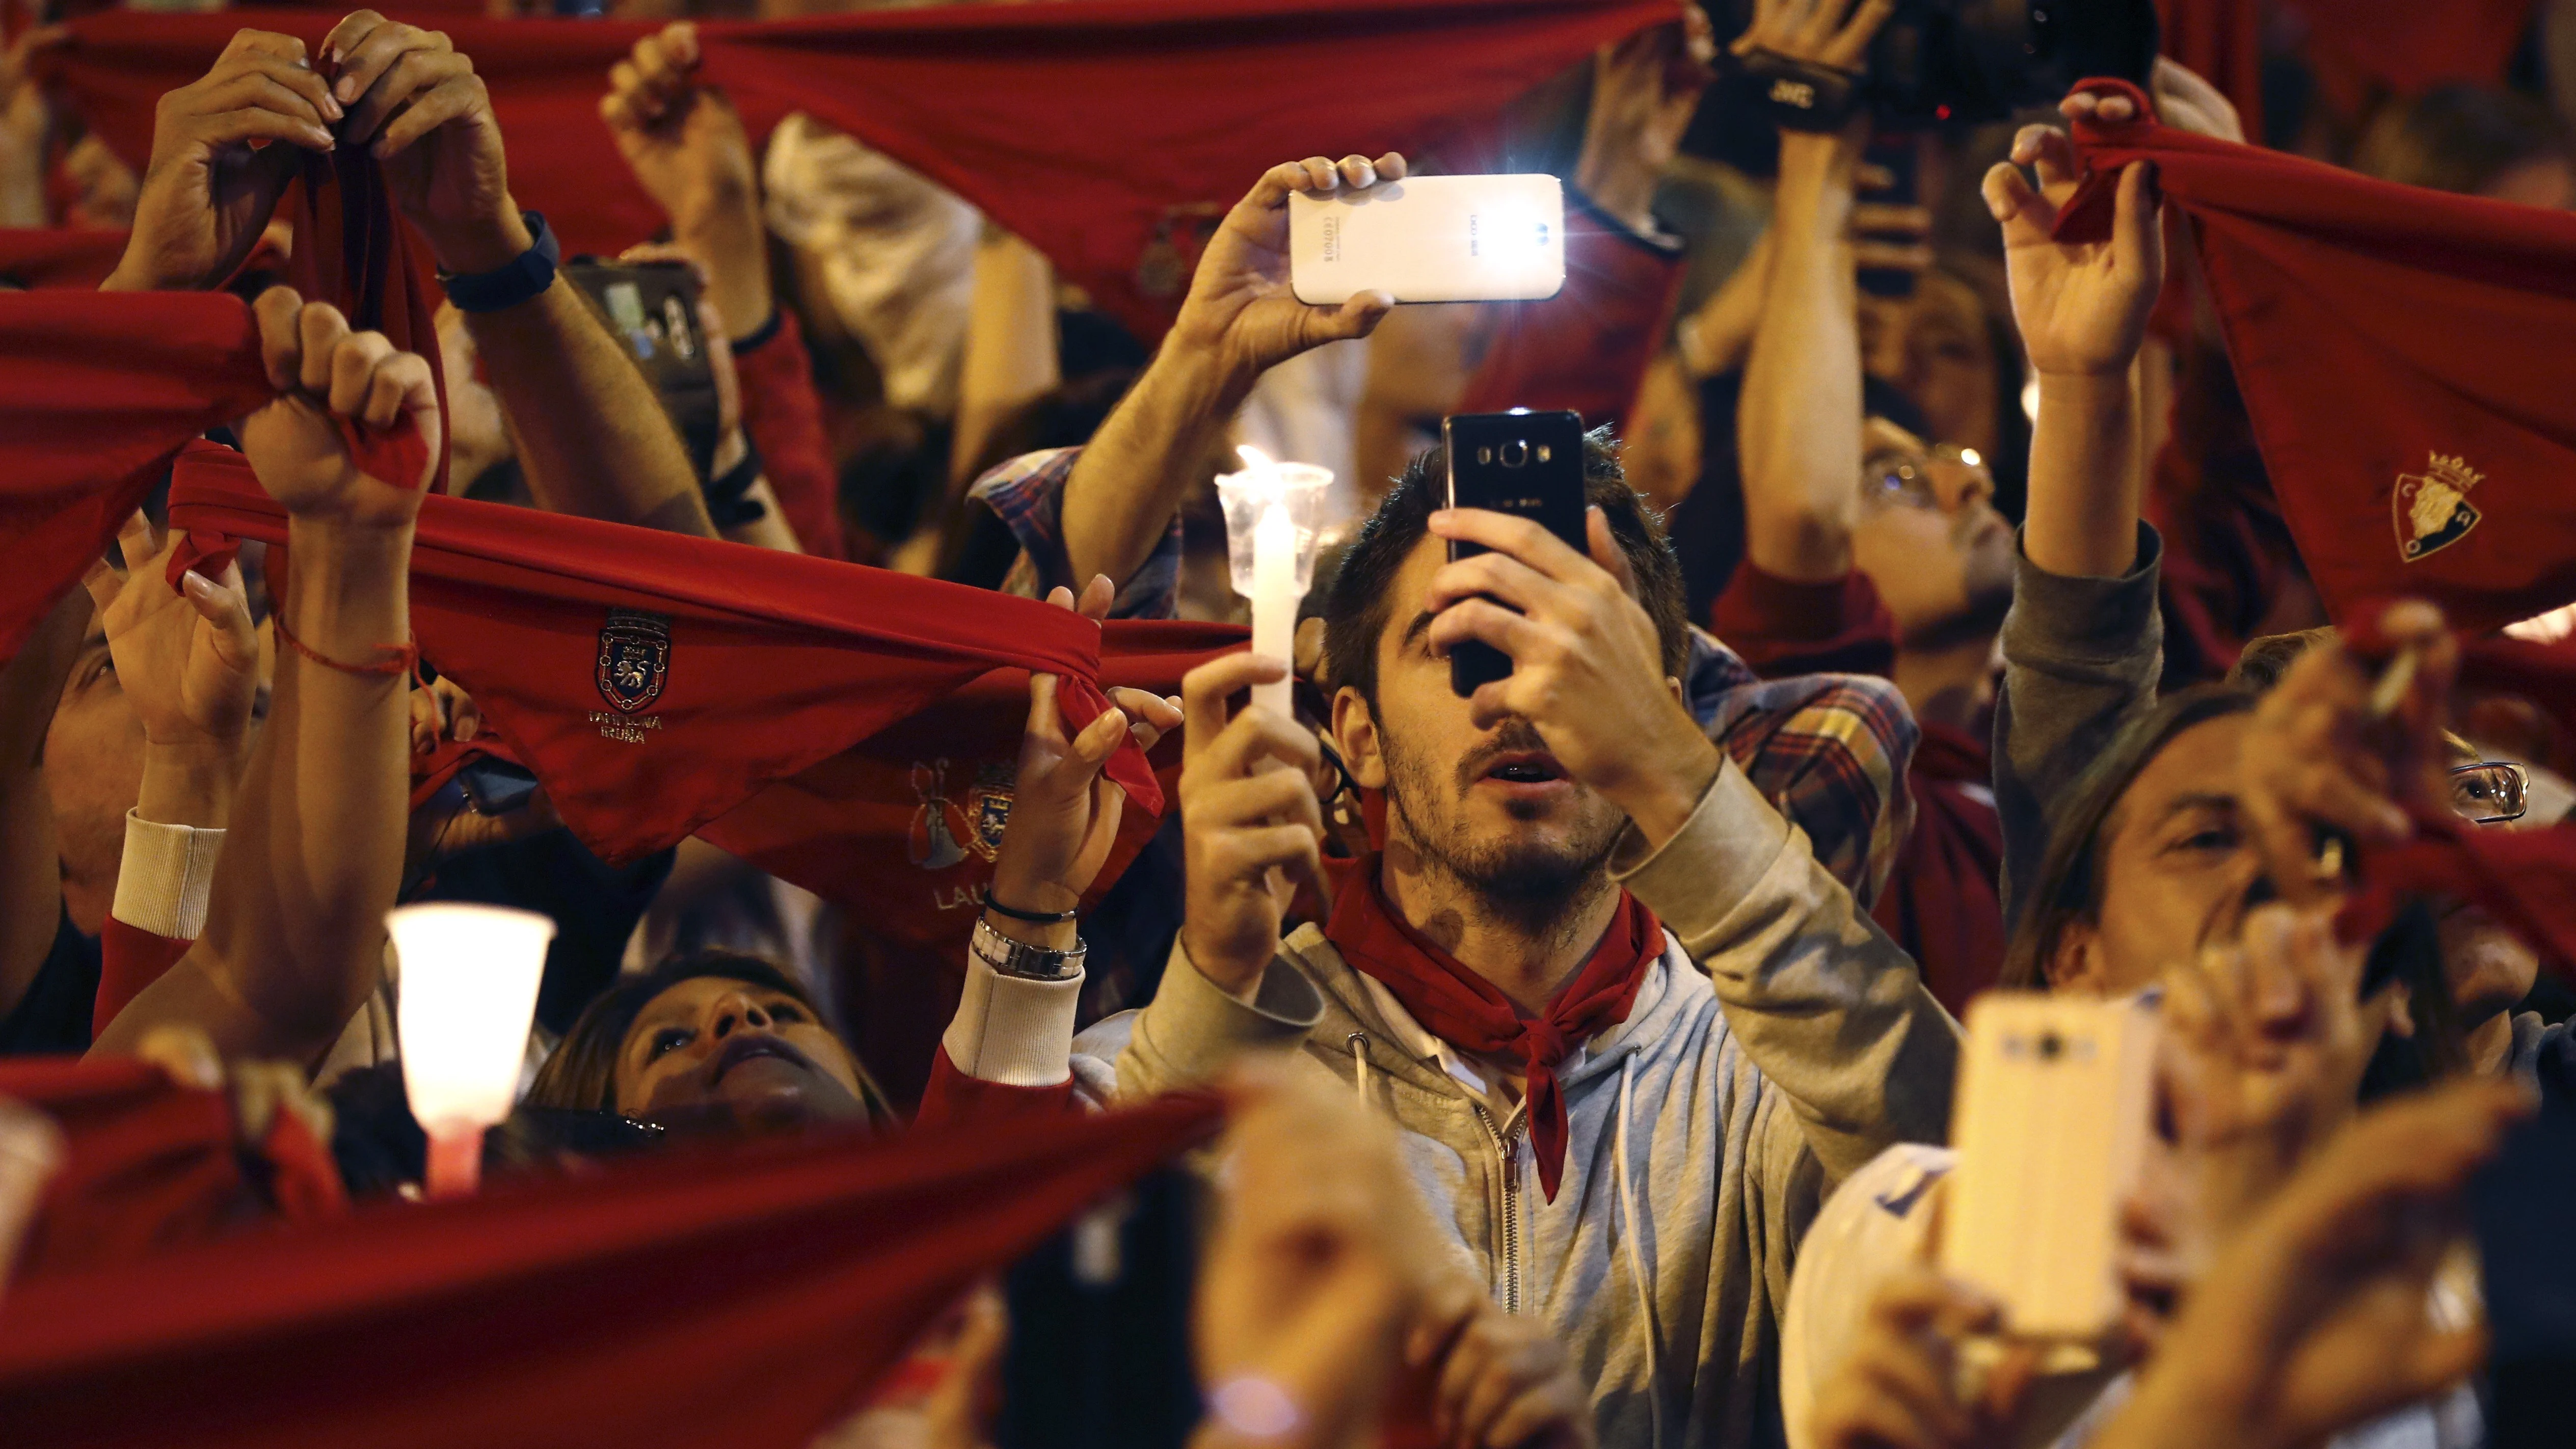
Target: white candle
[(466, 991), (1274, 600)]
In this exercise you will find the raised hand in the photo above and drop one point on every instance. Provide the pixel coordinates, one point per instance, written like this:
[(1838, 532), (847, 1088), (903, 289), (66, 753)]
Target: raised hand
[(1893, 1389), (207, 193), (1064, 812), (684, 140), (2320, 752), (187, 658), (1240, 307), (1250, 824), (1644, 90), (324, 373), (2320, 1314), (1587, 663), (2261, 1059), (417, 105), (2082, 307)]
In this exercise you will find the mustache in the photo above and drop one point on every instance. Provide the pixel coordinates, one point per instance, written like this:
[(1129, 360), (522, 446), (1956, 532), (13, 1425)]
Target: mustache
[(1515, 736)]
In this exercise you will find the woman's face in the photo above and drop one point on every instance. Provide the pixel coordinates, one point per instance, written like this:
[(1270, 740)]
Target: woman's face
[(718, 1054), (2177, 863)]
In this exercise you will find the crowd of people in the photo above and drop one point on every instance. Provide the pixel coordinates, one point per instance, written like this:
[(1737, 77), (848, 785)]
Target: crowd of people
[(1586, 1045)]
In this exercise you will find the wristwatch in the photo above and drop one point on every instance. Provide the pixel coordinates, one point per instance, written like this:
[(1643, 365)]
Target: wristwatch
[(1020, 959)]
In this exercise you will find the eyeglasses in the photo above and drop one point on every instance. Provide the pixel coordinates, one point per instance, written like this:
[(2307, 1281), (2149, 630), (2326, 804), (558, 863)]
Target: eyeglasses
[(2489, 792), (1904, 480)]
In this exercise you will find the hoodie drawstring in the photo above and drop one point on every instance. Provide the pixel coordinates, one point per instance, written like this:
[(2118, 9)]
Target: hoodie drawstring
[(1636, 1253), (1358, 1042)]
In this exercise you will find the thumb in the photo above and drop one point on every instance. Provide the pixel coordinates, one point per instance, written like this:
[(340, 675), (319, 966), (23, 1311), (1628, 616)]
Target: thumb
[(1356, 317)]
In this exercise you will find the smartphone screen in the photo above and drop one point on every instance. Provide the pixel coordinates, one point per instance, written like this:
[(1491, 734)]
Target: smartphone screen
[(1430, 239), (1520, 462)]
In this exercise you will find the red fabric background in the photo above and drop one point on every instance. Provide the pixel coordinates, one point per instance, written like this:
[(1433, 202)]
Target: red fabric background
[(97, 391), (2357, 48), (1085, 127), (34, 257), (2371, 326), (744, 1296)]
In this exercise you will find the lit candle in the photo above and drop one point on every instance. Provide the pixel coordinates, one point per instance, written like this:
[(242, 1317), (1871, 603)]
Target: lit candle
[(1273, 512), (1275, 593), (466, 991)]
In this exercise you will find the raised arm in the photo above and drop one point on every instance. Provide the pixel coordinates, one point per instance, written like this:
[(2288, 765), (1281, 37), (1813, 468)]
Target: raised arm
[(1239, 321), (1798, 427), (592, 435), (2083, 644), (295, 934)]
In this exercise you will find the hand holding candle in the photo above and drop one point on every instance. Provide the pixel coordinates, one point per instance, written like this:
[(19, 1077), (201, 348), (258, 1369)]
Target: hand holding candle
[(1273, 512)]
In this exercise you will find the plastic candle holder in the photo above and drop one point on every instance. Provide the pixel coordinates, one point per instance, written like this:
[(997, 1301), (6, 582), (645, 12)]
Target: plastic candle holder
[(1273, 512)]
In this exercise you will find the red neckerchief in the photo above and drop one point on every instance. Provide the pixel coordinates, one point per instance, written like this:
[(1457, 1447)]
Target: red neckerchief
[(1461, 1008)]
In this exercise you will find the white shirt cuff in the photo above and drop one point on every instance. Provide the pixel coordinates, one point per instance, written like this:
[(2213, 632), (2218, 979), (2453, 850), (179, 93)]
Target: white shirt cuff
[(167, 877), (1012, 1031)]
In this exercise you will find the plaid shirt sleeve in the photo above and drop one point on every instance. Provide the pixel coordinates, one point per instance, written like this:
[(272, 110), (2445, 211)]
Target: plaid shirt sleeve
[(1829, 751), (1027, 493)]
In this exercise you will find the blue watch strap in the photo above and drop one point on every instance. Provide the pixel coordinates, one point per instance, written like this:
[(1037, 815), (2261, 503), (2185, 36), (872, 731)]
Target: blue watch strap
[(526, 276)]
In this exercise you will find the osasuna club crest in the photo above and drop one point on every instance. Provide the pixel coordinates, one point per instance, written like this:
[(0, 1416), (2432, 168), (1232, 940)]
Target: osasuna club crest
[(2432, 507), (634, 659)]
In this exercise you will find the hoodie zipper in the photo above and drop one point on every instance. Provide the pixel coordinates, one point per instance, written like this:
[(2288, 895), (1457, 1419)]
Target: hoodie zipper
[(1507, 1141)]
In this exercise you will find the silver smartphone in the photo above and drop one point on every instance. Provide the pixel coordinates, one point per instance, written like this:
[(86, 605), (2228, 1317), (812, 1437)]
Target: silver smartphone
[(1430, 239)]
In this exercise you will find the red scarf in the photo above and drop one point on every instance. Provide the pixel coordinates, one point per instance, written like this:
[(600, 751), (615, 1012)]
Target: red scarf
[(2401, 353), (1012, 107), (98, 390), (33, 257), (1942, 903), (745, 1295), (663, 686), (1463, 1009)]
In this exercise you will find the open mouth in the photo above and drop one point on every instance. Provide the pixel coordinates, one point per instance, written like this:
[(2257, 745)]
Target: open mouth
[(1525, 767), (749, 1045)]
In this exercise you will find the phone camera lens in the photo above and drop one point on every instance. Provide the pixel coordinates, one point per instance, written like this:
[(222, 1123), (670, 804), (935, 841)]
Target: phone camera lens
[(2051, 1046), (1515, 453)]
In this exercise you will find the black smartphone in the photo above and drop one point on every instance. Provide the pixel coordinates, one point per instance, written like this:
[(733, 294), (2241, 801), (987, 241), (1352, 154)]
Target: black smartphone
[(652, 307), (2519, 1203), (495, 787), (1099, 1352), (1518, 462)]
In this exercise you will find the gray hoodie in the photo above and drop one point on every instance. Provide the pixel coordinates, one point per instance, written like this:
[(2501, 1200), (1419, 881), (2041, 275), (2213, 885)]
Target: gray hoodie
[(1779, 1043)]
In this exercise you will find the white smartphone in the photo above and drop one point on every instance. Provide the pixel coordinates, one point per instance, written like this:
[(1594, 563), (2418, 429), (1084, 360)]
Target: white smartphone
[(1430, 239), (2054, 1104)]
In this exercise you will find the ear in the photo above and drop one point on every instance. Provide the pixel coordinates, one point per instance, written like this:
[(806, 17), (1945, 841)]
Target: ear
[(1681, 696), (1355, 732), (2076, 964)]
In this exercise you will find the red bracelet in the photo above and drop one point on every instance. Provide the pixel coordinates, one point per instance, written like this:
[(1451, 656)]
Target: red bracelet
[(405, 656)]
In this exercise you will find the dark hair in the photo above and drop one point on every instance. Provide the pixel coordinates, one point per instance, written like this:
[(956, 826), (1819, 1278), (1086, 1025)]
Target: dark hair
[(581, 1073), (2458, 137), (2072, 873), (2266, 659), (1355, 611)]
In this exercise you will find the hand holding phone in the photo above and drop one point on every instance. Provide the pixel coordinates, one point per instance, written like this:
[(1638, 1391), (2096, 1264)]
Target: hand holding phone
[(1430, 239), (1523, 463)]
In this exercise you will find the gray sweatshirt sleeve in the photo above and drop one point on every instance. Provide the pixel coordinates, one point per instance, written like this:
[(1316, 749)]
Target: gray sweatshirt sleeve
[(1832, 1012), (1190, 1031), (2081, 657)]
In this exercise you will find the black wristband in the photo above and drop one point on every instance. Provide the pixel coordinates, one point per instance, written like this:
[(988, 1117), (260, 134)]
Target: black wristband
[(526, 276), (1034, 918), (1800, 95), (729, 503)]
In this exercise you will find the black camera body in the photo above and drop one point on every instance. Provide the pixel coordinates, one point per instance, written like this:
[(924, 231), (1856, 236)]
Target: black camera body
[(1952, 62)]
